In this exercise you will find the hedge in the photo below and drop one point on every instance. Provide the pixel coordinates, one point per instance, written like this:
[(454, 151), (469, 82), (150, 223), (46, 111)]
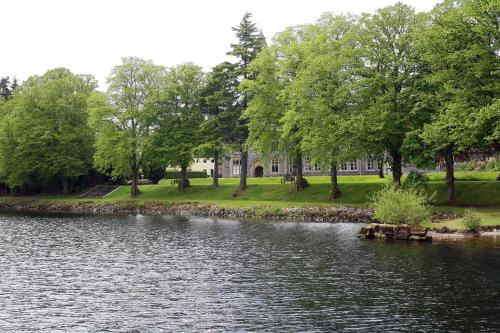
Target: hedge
[(190, 174)]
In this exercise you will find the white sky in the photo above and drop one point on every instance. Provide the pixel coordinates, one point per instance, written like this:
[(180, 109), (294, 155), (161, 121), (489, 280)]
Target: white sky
[(91, 36)]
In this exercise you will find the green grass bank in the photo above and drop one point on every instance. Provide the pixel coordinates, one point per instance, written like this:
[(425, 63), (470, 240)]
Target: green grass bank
[(476, 189)]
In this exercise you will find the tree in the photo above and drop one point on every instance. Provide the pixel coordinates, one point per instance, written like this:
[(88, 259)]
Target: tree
[(324, 92), (220, 113), (178, 112), (250, 42), (387, 46), (7, 87), (45, 136), (461, 49), (271, 115), (124, 118)]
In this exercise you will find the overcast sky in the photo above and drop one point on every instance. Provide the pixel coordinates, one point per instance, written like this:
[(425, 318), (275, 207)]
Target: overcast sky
[(91, 36)]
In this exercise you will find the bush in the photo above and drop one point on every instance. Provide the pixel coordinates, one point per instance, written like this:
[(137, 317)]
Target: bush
[(190, 174), (467, 166), (400, 206), (492, 164), (417, 181), (472, 220)]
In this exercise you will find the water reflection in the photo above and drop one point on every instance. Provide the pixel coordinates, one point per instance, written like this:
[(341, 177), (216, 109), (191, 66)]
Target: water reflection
[(153, 274)]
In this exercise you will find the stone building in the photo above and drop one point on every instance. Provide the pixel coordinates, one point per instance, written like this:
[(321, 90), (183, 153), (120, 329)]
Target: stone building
[(279, 165)]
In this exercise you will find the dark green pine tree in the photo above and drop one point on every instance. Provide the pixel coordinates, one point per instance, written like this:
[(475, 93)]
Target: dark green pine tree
[(221, 116), (250, 41), (7, 87)]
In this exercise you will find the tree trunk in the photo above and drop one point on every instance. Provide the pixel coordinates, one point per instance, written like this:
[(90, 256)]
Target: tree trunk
[(183, 181), (381, 169), (335, 193), (243, 171), (300, 182), (450, 174), (216, 169), (134, 189), (65, 184), (396, 168)]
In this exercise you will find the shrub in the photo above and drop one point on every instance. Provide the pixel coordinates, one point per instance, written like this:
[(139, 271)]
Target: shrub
[(417, 181), (492, 164), (472, 220), (467, 166), (190, 174), (400, 206)]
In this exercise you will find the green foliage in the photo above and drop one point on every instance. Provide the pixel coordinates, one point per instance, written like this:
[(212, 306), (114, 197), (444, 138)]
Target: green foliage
[(416, 181), (471, 220), (178, 115), (190, 174), (124, 117), (468, 166), (44, 135), (398, 206), (493, 164)]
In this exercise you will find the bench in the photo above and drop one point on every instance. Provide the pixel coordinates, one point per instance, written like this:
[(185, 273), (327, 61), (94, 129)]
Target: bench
[(287, 178), (174, 182)]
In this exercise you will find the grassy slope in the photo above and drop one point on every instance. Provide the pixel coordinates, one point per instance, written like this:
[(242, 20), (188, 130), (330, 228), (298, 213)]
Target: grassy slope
[(476, 189)]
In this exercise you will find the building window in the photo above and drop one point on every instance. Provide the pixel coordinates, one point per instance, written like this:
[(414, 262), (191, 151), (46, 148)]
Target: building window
[(236, 167), (274, 165), (212, 160), (317, 167), (370, 165), (354, 166), (204, 161), (307, 164), (343, 166)]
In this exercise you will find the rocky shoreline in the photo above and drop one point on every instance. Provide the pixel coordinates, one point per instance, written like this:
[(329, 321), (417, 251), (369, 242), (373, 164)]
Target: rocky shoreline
[(310, 214), (415, 233), (335, 214)]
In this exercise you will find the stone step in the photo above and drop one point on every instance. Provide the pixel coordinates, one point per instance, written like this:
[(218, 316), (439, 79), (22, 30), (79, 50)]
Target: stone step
[(99, 191)]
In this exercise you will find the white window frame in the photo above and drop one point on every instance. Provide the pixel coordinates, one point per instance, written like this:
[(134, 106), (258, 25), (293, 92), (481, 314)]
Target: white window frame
[(370, 164), (307, 164), (343, 166), (236, 167), (355, 164), (275, 165)]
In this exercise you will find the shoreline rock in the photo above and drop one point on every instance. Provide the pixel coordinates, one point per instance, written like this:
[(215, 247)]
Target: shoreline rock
[(309, 214), (394, 232), (409, 233)]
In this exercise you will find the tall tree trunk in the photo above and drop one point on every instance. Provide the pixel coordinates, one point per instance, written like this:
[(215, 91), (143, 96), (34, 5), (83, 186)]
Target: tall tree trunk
[(216, 169), (65, 184), (381, 169), (244, 168), (397, 168), (300, 182), (450, 174), (183, 181), (335, 193), (134, 189)]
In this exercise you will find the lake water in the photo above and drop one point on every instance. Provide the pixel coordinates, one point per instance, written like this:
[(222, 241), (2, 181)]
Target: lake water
[(89, 273)]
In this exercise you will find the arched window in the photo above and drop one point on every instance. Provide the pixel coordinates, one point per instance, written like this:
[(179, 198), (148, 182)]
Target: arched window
[(236, 167), (274, 165)]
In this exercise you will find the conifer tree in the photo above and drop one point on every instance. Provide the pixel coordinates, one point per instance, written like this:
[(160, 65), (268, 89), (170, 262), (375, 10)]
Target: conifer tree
[(250, 42)]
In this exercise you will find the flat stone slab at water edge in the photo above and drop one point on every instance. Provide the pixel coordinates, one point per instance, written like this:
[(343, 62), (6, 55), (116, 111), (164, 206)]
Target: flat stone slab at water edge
[(394, 232)]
